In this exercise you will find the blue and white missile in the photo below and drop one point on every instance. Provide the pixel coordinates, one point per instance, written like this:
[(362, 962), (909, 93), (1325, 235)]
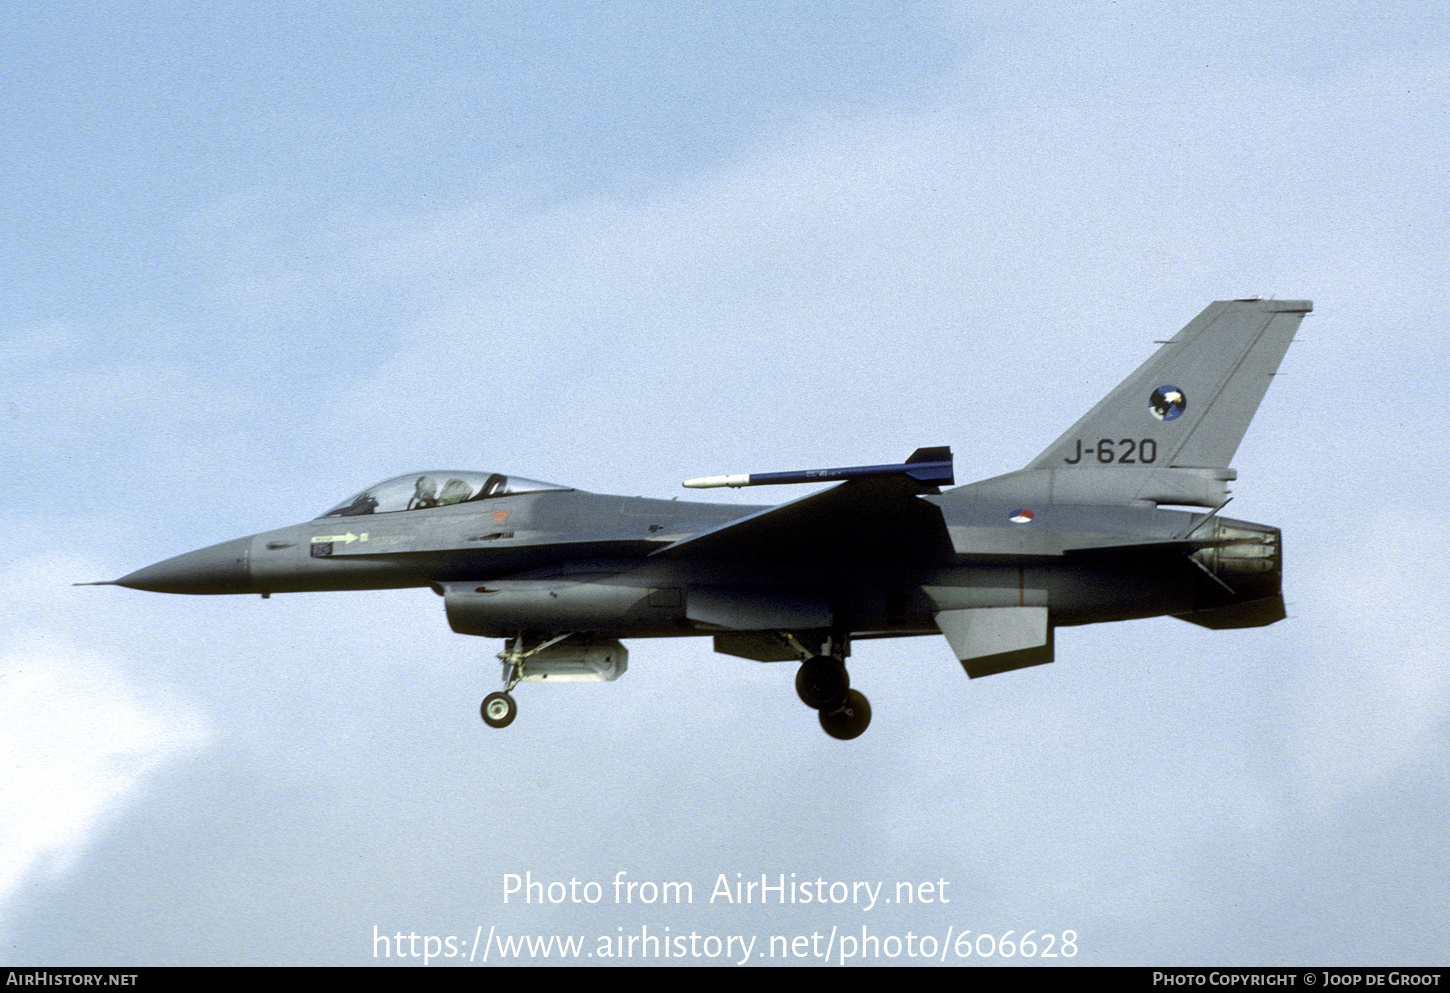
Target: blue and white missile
[(928, 466)]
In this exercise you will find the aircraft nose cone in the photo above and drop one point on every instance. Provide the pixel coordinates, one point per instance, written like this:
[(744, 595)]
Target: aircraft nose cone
[(220, 568)]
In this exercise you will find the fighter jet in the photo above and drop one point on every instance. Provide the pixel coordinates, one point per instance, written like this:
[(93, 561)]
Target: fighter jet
[(1118, 518)]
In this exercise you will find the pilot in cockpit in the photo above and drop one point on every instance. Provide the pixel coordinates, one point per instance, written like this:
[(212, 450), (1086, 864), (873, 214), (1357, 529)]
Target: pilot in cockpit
[(425, 494), (422, 492), (454, 491)]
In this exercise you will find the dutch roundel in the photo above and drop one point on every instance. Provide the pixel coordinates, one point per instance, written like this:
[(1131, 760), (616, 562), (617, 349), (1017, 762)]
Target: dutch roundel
[(1167, 403)]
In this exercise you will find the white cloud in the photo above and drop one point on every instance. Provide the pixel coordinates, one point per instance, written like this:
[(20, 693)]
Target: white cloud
[(78, 739)]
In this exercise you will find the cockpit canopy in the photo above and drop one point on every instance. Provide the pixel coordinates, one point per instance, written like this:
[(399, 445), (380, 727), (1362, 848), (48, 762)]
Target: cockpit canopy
[(421, 490)]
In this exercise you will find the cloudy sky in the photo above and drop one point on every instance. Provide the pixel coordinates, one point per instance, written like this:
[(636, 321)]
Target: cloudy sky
[(257, 258)]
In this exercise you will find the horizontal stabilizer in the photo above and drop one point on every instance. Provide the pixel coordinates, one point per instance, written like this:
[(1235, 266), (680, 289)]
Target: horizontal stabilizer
[(1246, 614)]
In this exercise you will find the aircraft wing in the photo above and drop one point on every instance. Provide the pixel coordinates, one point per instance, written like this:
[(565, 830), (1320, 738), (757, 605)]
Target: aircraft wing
[(877, 518)]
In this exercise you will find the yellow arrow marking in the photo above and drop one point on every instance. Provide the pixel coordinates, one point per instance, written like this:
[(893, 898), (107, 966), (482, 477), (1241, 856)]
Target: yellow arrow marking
[(346, 539)]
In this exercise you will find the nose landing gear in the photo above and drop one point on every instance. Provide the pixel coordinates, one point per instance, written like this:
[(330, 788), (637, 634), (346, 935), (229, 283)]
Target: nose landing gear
[(498, 710)]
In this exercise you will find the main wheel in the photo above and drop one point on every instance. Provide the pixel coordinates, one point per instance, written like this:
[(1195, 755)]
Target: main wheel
[(850, 719), (822, 682), (498, 710)]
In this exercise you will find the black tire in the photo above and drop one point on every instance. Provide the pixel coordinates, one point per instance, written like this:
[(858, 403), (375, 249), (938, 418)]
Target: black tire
[(822, 682), (850, 719), (498, 710)]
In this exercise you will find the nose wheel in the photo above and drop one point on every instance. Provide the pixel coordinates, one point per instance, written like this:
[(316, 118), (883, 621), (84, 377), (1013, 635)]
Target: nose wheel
[(498, 710)]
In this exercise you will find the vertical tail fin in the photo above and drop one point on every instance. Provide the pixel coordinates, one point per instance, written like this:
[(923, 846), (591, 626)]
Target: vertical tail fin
[(1189, 405), (1166, 434)]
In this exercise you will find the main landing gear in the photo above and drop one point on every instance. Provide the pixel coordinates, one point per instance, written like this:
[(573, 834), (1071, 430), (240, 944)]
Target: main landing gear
[(850, 719), (823, 684)]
